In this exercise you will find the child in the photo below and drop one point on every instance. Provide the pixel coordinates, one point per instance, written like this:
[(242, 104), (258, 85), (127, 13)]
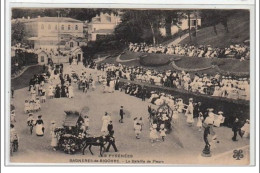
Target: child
[(37, 104), (138, 128), (30, 122), (43, 96), (33, 94), (31, 106), (153, 133), (162, 132), (26, 106)]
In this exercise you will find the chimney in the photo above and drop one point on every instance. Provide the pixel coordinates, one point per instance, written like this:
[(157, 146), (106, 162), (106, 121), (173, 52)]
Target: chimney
[(23, 17), (28, 17), (39, 16)]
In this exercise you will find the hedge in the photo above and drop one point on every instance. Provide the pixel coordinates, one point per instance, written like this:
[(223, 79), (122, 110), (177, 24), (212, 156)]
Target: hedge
[(231, 108)]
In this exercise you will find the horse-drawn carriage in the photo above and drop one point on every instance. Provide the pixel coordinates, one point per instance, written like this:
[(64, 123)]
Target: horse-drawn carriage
[(161, 116), (70, 136)]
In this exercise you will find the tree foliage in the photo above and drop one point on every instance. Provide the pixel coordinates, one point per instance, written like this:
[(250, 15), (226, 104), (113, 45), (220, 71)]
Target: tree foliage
[(17, 32)]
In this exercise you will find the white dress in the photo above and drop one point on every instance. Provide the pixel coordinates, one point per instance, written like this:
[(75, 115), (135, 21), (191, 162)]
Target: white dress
[(219, 120), (111, 86), (189, 114), (199, 123), (71, 93), (162, 132), (106, 120), (39, 128), (153, 134), (210, 118), (54, 139), (246, 129)]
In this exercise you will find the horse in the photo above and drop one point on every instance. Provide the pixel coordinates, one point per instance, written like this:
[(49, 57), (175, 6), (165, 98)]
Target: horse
[(94, 141)]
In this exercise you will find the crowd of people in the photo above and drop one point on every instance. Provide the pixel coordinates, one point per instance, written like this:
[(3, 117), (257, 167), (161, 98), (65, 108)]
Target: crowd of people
[(60, 85), (216, 85), (237, 51)]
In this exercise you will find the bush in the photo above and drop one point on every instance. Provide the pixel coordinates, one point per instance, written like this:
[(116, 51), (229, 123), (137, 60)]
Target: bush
[(154, 60)]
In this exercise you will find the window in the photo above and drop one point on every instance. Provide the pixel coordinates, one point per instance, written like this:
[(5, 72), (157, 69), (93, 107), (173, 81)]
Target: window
[(42, 27), (62, 27), (42, 58), (193, 23), (94, 29), (68, 27), (49, 27), (76, 27), (71, 44)]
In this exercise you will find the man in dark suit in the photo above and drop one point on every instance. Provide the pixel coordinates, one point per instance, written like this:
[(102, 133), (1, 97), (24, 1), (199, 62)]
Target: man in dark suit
[(110, 128), (111, 141), (236, 128), (121, 113)]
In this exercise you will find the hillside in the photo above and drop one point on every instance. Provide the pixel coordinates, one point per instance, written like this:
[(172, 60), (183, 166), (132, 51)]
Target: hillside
[(238, 25)]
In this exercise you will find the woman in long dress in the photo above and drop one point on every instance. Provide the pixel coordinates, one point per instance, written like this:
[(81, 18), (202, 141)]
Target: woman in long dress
[(50, 92), (189, 113), (39, 126), (54, 139), (106, 119), (199, 123), (111, 86), (71, 93)]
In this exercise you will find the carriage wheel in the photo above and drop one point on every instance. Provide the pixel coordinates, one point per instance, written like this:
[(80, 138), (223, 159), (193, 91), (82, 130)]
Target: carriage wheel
[(70, 146)]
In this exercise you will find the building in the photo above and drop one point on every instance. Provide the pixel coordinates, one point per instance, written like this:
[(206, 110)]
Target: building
[(101, 25), (49, 32), (195, 22), (59, 37)]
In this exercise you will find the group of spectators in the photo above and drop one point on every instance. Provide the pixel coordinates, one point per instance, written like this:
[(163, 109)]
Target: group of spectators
[(237, 51), (216, 85)]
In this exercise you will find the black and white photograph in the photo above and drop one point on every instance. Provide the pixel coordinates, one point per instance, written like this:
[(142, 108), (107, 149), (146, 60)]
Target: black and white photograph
[(130, 86)]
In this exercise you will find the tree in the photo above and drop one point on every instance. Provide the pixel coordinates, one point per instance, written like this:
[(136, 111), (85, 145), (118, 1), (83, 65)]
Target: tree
[(18, 32), (140, 25), (171, 17)]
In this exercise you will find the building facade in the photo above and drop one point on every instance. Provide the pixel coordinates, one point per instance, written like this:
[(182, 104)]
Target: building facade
[(101, 25), (48, 32)]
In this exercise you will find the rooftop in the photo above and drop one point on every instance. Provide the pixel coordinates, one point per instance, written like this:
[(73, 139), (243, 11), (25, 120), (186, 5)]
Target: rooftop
[(48, 19)]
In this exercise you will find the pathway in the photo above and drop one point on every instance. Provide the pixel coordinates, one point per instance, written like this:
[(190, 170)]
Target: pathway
[(178, 40)]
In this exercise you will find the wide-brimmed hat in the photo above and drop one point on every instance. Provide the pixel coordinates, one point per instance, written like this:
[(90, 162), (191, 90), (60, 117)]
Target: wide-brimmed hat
[(210, 109), (220, 112)]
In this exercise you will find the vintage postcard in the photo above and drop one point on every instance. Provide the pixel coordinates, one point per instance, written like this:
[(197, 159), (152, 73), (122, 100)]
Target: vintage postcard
[(130, 86)]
